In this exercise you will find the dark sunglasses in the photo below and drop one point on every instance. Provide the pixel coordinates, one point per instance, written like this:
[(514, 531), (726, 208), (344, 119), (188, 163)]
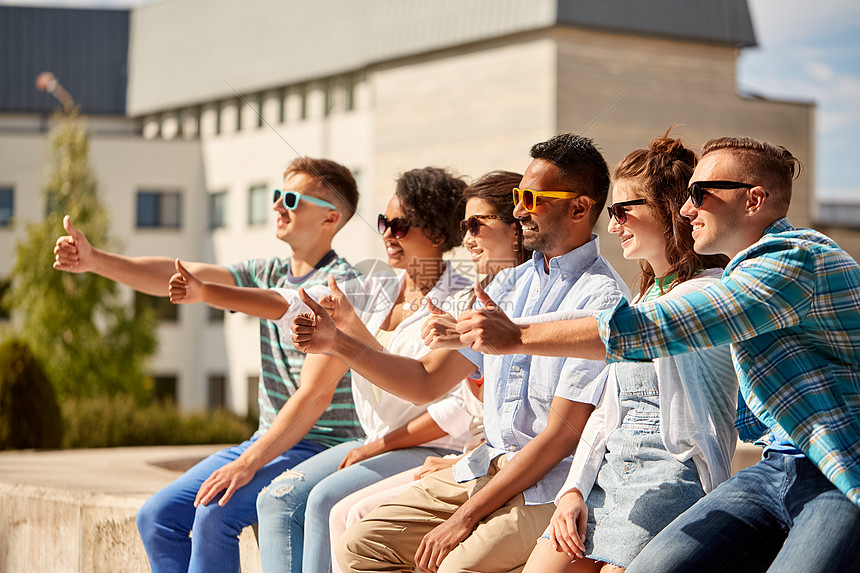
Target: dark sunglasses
[(529, 196), (619, 210), (698, 189), (399, 226), (292, 198), (473, 224)]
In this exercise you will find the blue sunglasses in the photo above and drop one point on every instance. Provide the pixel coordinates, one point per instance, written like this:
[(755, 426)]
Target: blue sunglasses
[(291, 200)]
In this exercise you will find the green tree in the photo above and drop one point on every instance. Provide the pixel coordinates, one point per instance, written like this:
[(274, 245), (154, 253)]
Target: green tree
[(29, 414), (89, 342)]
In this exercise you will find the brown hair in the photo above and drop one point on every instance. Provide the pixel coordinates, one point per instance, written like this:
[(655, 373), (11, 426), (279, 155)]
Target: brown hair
[(495, 188), (337, 181), (771, 166), (662, 173)]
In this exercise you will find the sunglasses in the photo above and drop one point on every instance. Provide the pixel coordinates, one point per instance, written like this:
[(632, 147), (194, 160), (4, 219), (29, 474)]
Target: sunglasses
[(529, 197), (473, 224), (291, 200), (698, 191), (619, 210), (399, 226)]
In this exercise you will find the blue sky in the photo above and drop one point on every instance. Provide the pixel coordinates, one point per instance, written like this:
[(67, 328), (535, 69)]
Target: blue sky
[(808, 51)]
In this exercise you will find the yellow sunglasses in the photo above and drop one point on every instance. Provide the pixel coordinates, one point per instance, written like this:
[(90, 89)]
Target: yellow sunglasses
[(528, 196)]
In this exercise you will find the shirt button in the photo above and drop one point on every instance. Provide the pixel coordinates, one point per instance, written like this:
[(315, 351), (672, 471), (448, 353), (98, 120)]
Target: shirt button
[(516, 368), (511, 448)]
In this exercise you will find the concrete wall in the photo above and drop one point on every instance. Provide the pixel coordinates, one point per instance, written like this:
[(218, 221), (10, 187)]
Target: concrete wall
[(625, 90)]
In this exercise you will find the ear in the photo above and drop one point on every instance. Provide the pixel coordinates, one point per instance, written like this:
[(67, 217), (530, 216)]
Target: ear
[(756, 200), (333, 218), (579, 208)]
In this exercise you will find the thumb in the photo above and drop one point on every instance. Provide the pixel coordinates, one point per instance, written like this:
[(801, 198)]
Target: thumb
[(182, 270), (432, 307), (71, 229), (332, 286), (485, 299), (312, 304)]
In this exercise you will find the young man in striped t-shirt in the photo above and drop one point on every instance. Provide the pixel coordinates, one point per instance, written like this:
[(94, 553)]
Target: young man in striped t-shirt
[(305, 404)]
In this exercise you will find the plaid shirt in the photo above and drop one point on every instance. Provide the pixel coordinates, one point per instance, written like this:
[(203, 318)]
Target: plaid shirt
[(790, 307)]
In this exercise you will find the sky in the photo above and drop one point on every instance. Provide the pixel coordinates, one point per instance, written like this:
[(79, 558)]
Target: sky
[(807, 51)]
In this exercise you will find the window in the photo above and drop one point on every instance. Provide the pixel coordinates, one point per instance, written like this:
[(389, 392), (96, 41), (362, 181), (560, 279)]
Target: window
[(218, 107), (260, 100), (164, 388), (164, 310), (253, 396), (239, 108), (7, 206), (5, 286), (159, 210), (259, 205), (282, 105), (217, 392), (218, 210), (215, 314)]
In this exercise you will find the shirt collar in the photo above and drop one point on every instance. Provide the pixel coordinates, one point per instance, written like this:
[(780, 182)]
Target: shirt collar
[(572, 261), (779, 226)]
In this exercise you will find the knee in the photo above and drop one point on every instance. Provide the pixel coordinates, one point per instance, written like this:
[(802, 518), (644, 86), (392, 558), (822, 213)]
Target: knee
[(351, 548), (281, 498), (151, 514)]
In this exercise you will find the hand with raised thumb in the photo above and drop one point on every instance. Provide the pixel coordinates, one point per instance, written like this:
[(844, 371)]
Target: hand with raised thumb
[(73, 252), (313, 332), (338, 306), (184, 287), (488, 329), (438, 330)]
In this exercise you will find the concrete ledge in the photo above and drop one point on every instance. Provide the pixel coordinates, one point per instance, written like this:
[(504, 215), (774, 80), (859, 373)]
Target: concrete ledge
[(74, 510)]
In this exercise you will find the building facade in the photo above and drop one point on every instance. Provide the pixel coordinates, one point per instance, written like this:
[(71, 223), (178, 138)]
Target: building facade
[(222, 96)]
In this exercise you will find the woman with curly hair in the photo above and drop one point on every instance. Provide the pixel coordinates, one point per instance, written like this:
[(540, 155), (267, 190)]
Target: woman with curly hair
[(663, 434)]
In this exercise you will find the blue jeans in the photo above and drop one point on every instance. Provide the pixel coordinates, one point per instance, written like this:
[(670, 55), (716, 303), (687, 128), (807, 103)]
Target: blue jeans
[(779, 515), (294, 509), (165, 520)]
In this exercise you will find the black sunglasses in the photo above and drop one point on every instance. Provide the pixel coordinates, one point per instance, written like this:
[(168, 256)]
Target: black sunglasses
[(619, 210), (473, 224), (399, 226), (698, 189)]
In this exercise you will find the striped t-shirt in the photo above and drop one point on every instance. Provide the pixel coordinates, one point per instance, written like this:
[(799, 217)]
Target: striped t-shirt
[(281, 363)]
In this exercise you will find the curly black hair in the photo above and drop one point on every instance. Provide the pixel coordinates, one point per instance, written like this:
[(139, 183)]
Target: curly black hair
[(432, 200)]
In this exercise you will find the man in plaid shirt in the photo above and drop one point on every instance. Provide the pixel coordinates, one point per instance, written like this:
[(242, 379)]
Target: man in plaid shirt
[(789, 304)]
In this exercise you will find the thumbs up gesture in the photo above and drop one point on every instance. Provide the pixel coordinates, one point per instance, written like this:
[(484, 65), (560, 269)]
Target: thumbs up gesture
[(73, 252), (338, 306), (185, 288), (313, 332), (438, 330), (489, 330)]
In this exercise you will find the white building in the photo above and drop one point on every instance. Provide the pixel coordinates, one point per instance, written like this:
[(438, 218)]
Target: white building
[(220, 96)]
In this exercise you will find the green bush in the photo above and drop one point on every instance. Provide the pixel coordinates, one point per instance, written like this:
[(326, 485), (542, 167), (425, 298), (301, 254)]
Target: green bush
[(119, 421), (29, 414)]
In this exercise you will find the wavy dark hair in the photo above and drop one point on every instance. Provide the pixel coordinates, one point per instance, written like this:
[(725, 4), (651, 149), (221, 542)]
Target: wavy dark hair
[(662, 173), (495, 188), (432, 200)]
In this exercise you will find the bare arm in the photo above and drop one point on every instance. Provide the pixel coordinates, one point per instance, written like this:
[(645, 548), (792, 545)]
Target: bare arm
[(319, 377), (73, 253), (186, 288), (530, 465), (489, 330), (419, 381), (416, 432)]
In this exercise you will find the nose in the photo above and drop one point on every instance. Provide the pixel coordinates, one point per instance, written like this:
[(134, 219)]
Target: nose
[(520, 211), (614, 226), (687, 209)]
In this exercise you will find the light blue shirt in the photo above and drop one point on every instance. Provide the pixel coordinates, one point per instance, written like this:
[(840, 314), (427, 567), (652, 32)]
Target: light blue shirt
[(518, 389)]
